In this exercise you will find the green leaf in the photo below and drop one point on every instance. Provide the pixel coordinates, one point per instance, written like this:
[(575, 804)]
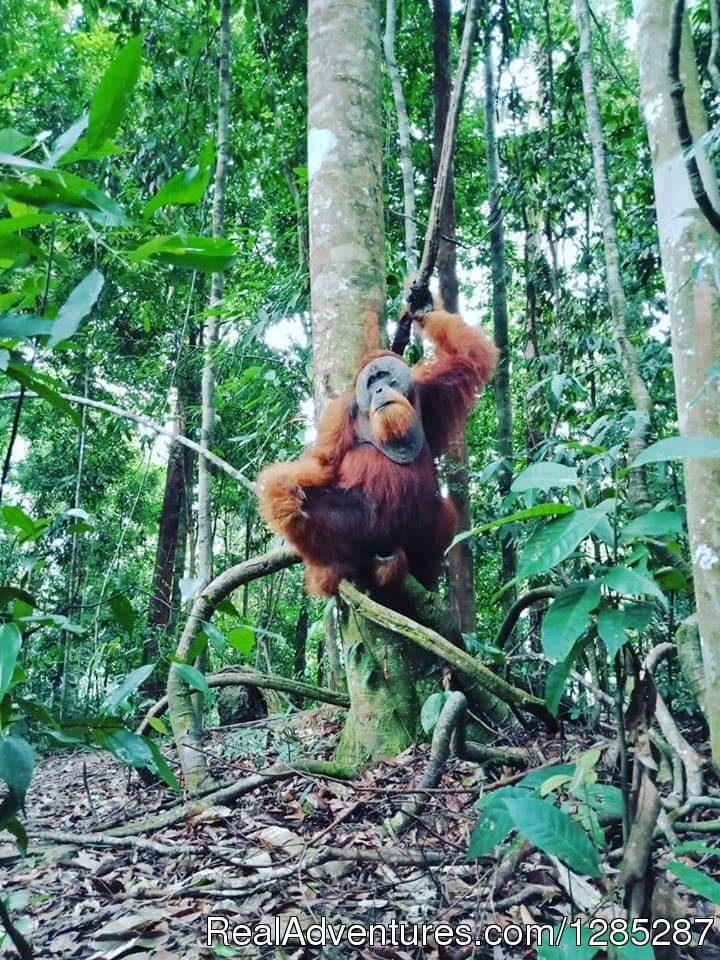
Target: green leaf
[(536, 779), (10, 643), (567, 618), (123, 612), (24, 222), (539, 510), (679, 448), (43, 386), (22, 326), (660, 523), (112, 96), (603, 797), (431, 710), (157, 724), (555, 833), (697, 880), (14, 827), (612, 627), (12, 141), (628, 582), (209, 254), (63, 192), (77, 306), (67, 140), (544, 476), (16, 517), (494, 824), (15, 593), (128, 747), (192, 677), (551, 543), (242, 639), (162, 767), (133, 680), (186, 187), (17, 760)]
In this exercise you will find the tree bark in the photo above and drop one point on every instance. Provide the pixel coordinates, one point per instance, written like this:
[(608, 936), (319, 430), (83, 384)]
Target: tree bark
[(689, 247), (347, 286), (637, 388), (345, 198), (461, 570), (503, 394), (301, 635)]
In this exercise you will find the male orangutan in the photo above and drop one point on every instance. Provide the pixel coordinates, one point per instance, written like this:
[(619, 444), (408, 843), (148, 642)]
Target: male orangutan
[(363, 501)]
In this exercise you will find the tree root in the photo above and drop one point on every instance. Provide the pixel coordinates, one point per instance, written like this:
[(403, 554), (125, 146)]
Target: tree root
[(249, 678), (448, 736), (471, 674)]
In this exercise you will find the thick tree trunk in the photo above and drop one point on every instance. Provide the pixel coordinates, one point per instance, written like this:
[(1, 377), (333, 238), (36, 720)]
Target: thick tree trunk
[(461, 571), (500, 309), (347, 284), (637, 388), (186, 709), (689, 247), (347, 264)]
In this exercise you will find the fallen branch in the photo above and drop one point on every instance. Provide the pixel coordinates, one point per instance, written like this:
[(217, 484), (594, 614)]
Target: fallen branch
[(265, 681), (230, 792), (471, 673)]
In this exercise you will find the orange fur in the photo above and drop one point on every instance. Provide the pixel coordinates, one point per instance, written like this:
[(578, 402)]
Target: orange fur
[(346, 507), (393, 420)]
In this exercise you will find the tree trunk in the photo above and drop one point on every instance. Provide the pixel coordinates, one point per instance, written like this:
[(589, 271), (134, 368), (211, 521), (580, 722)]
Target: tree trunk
[(689, 247), (345, 198), (500, 310), (185, 708), (301, 635), (637, 490), (461, 571), (406, 165), (347, 285)]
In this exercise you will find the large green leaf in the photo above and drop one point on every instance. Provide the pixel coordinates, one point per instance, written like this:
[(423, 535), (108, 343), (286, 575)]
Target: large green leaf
[(555, 833), (567, 618), (133, 680), (565, 944), (539, 510), (192, 677), (63, 192), (123, 612), (16, 764), (431, 710), (697, 880), (10, 643), (186, 187), (494, 824), (612, 627), (551, 543), (242, 639), (110, 103), (679, 448), (209, 254), (22, 326), (12, 141), (26, 221), (77, 306), (557, 677), (544, 476), (629, 583), (657, 523), (43, 386)]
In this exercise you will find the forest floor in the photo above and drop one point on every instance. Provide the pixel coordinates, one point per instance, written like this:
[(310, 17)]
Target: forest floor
[(305, 847)]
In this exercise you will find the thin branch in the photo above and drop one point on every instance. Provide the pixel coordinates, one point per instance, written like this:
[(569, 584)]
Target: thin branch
[(155, 427), (682, 124), (513, 614)]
